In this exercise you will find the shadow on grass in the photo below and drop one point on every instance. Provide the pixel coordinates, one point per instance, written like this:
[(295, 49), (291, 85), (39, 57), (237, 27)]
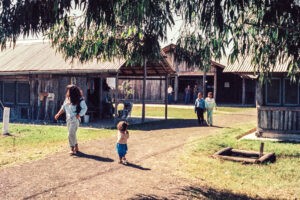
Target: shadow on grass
[(198, 193), (168, 124), (97, 158), (136, 166)]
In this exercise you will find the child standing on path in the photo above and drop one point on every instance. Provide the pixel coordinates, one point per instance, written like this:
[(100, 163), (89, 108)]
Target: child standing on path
[(210, 104), (200, 108), (123, 136), (75, 107)]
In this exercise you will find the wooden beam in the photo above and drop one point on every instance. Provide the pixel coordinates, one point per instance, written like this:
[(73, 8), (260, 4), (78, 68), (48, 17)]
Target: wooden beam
[(116, 98), (215, 83), (166, 97), (144, 90), (243, 91), (204, 83), (100, 97), (176, 89)]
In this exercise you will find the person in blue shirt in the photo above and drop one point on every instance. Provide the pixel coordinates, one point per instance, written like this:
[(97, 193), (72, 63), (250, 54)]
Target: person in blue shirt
[(75, 107), (187, 92), (200, 108)]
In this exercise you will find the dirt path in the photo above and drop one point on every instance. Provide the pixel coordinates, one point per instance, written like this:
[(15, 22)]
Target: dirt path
[(96, 175)]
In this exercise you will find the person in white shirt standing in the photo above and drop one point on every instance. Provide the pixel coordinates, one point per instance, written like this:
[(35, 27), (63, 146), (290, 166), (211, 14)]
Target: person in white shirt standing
[(170, 94), (210, 104)]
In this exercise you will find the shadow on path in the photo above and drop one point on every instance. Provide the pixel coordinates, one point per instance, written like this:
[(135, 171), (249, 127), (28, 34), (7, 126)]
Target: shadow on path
[(97, 158), (198, 193), (168, 124), (136, 166)]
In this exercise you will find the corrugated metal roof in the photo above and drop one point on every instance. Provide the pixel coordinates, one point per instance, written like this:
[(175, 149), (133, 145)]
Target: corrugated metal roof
[(195, 73), (39, 57), (244, 65)]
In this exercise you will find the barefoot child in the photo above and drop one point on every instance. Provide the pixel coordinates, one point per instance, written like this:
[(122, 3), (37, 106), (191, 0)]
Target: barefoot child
[(74, 107), (123, 135), (210, 104), (200, 108)]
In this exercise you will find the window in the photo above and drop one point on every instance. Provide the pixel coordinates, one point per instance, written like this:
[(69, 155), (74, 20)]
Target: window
[(273, 92), (23, 93), (9, 92), (291, 92)]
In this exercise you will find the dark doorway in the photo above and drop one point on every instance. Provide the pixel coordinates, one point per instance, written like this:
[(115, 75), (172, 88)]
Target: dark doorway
[(93, 100), (183, 83), (250, 91)]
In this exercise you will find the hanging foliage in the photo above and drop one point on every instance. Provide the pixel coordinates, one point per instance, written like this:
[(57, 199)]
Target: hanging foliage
[(266, 30)]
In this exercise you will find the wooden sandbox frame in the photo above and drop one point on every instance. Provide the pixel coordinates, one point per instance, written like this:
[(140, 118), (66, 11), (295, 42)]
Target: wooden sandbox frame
[(247, 157)]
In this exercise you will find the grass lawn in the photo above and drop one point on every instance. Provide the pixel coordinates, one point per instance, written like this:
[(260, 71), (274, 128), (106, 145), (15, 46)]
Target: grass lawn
[(272, 180), (179, 113), (33, 142)]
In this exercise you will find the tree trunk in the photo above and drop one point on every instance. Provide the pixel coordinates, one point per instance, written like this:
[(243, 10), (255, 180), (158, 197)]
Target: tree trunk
[(204, 83), (144, 90)]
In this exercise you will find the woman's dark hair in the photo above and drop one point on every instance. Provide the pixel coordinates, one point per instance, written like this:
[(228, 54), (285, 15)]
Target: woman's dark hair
[(122, 126), (75, 97)]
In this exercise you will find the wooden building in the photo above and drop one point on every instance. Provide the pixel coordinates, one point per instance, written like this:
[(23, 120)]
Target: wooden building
[(228, 87), (233, 87), (33, 80), (277, 101), (186, 75)]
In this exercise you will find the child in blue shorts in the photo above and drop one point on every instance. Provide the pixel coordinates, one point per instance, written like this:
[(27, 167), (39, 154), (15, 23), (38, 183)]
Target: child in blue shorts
[(123, 136)]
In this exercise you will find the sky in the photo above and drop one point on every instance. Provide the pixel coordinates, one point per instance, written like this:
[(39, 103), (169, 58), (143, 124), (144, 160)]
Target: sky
[(172, 33)]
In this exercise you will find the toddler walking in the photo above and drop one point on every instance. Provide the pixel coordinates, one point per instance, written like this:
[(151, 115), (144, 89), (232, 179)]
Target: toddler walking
[(210, 104), (123, 136), (75, 107)]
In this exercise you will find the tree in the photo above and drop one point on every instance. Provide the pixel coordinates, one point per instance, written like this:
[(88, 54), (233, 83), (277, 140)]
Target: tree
[(267, 30)]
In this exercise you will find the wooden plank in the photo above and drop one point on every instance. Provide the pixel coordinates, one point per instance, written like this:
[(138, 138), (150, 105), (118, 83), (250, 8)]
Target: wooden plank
[(294, 127), (290, 120), (274, 122), (269, 120), (264, 119), (270, 108), (277, 120), (238, 159), (286, 120), (246, 153), (223, 151), (258, 119), (281, 124), (267, 157)]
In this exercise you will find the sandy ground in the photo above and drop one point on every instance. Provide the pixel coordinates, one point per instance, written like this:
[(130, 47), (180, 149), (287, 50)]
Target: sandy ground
[(95, 173)]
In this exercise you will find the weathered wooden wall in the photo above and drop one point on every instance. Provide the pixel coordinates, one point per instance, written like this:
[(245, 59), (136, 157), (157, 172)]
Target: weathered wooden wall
[(154, 90), (276, 119), (279, 119), (37, 109)]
